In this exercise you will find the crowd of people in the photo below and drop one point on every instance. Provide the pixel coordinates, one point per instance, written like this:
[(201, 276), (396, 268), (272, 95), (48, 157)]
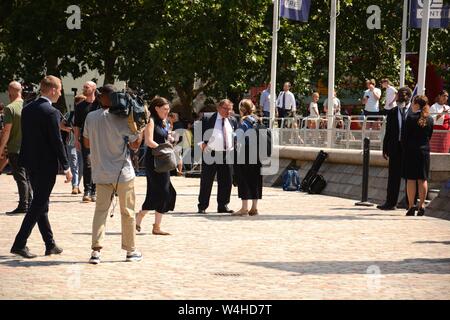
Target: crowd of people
[(94, 145)]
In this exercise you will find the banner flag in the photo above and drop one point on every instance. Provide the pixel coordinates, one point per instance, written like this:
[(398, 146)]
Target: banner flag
[(439, 14), (297, 10)]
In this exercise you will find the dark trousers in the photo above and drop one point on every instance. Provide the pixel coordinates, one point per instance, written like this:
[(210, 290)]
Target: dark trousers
[(282, 113), (89, 186), (395, 176), (224, 183), (22, 181), (42, 184)]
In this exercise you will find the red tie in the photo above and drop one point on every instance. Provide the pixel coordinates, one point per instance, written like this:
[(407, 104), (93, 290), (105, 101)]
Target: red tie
[(224, 129)]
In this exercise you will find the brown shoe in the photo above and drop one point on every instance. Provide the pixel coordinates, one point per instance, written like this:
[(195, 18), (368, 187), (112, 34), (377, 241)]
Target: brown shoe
[(158, 231), (240, 213), (253, 212), (75, 190), (87, 198)]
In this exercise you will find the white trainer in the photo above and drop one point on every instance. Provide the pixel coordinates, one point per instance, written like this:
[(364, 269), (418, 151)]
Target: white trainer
[(95, 257), (134, 256)]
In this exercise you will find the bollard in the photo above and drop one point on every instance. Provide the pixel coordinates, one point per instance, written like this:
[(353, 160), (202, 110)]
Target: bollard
[(365, 180)]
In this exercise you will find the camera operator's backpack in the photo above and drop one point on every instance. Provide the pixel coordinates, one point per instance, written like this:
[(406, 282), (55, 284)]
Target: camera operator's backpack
[(123, 104)]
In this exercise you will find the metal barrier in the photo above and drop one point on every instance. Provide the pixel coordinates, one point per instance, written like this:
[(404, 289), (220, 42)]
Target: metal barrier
[(347, 132)]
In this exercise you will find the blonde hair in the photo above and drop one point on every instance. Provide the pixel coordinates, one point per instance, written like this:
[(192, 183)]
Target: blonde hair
[(48, 83), (79, 98), (316, 94)]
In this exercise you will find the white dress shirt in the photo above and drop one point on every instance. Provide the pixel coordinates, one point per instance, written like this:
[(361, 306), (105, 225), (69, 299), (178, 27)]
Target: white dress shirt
[(216, 142), (290, 101), (438, 109), (264, 100), (390, 98), (372, 104)]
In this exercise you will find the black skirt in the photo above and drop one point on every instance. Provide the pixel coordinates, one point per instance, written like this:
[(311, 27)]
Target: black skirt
[(416, 163), (161, 195), (249, 181)]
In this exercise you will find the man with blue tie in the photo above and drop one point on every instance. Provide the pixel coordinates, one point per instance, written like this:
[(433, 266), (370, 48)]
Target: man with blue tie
[(392, 146), (286, 105), (41, 150)]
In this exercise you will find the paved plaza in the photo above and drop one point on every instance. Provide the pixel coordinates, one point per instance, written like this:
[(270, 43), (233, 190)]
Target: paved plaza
[(300, 247)]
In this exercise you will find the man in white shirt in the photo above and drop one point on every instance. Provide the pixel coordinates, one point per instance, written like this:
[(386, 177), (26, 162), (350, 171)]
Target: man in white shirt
[(286, 101), (371, 99), (391, 94), (217, 147), (440, 108), (336, 105), (264, 102)]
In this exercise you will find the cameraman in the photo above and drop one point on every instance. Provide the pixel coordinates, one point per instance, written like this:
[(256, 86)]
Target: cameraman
[(108, 136)]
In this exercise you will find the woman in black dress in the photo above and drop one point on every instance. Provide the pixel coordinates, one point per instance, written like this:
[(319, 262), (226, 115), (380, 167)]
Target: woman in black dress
[(416, 144), (161, 195), (248, 170)]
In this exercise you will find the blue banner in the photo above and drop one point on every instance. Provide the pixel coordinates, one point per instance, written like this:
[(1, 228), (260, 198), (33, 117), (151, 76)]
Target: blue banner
[(439, 14), (295, 9)]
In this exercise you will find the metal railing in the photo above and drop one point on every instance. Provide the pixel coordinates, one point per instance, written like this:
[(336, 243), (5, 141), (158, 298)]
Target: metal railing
[(347, 132)]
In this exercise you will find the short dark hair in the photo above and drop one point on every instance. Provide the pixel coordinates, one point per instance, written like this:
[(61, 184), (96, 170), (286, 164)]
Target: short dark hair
[(107, 88)]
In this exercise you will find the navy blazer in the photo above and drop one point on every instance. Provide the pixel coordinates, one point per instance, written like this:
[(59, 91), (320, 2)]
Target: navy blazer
[(209, 122), (392, 132), (42, 146)]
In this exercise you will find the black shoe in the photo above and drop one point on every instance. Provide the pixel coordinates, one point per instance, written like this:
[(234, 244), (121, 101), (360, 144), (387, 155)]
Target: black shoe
[(17, 211), (385, 207), (224, 210), (201, 211), (25, 253), (54, 250), (411, 212), (421, 212)]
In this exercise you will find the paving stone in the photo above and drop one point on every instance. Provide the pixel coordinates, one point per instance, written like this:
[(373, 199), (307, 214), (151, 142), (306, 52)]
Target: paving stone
[(300, 247)]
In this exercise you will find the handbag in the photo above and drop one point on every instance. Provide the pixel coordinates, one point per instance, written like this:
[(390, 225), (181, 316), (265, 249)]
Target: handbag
[(164, 158)]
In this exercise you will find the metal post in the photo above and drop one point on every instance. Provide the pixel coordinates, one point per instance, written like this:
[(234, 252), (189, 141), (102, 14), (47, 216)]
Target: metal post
[(423, 47), (273, 70), (404, 40), (331, 73), (365, 181)]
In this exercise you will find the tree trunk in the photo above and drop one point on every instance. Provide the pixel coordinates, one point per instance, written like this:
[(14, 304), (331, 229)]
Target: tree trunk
[(53, 69), (110, 63), (186, 98)]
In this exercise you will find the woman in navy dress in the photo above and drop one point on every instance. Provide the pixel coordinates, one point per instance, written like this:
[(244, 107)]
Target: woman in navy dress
[(161, 195), (416, 144), (247, 168)]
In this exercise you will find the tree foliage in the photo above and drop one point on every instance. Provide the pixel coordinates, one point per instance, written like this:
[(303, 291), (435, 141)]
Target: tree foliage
[(220, 47)]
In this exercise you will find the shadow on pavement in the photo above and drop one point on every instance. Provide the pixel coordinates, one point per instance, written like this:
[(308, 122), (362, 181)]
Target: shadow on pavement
[(262, 217), (433, 242), (419, 266)]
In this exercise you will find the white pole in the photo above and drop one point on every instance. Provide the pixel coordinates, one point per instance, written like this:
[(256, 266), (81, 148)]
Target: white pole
[(404, 40), (273, 70), (423, 47), (331, 73)]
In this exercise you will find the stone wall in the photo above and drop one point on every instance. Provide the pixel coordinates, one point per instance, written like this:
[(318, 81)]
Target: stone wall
[(440, 206), (343, 171)]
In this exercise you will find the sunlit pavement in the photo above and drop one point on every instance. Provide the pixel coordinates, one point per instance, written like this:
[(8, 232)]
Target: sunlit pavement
[(299, 247)]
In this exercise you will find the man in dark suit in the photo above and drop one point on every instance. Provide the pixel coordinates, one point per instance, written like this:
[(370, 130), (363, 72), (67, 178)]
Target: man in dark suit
[(40, 151), (218, 149), (392, 148)]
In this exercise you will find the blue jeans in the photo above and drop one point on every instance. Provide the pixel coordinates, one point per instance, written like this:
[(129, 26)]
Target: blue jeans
[(76, 165)]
